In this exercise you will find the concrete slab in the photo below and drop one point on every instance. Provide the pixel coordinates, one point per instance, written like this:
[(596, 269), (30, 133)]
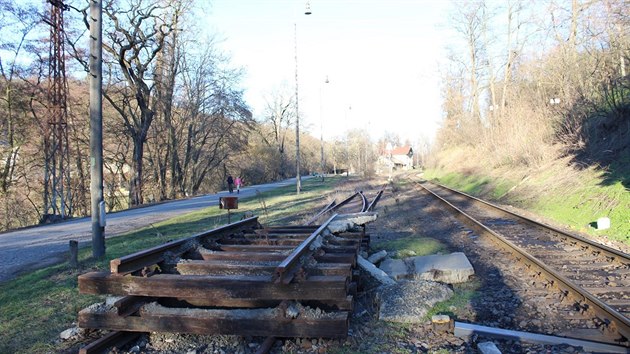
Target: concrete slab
[(374, 272), (450, 268), (347, 222), (395, 268), (488, 348), (378, 256)]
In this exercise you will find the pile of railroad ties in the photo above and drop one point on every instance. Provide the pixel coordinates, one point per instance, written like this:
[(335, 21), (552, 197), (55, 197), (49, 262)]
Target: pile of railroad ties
[(239, 279)]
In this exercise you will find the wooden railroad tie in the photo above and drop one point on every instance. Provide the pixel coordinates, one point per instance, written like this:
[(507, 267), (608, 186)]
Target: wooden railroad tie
[(240, 279)]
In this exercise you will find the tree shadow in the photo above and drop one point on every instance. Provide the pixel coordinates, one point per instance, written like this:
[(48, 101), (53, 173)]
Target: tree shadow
[(606, 137)]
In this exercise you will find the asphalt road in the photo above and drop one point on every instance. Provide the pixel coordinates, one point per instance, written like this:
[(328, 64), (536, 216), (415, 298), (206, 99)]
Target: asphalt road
[(35, 247)]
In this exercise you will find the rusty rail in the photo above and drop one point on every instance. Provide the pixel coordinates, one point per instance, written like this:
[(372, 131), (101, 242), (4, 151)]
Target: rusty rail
[(327, 208), (619, 322), (114, 339), (228, 283), (364, 202), (375, 200), (289, 266), (137, 261)]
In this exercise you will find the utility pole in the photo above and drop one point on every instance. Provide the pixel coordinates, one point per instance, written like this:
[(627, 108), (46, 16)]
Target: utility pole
[(348, 143), (321, 128), (298, 177), (96, 129)]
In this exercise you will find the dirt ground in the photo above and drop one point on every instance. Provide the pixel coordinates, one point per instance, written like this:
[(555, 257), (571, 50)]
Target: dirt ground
[(405, 211)]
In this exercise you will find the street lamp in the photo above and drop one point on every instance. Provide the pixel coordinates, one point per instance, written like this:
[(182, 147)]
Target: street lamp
[(348, 142), (298, 178), (307, 10), (321, 127)]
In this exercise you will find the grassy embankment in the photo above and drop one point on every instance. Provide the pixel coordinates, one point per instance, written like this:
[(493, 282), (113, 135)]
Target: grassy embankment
[(561, 192), (568, 196), (36, 307)]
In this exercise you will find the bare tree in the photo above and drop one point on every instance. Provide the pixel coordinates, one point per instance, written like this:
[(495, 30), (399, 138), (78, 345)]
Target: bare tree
[(20, 22), (165, 160), (133, 39), (20, 84), (279, 116), (214, 121), (469, 22)]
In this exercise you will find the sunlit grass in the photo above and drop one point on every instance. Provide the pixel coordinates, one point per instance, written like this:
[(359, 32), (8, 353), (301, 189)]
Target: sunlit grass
[(587, 201), (573, 199), (36, 307), (463, 295)]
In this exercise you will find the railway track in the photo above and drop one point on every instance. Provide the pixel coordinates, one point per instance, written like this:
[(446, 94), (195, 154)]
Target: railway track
[(590, 282), (240, 279), (357, 202)]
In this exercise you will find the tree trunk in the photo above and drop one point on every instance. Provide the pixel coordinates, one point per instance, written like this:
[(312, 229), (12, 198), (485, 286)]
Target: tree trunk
[(135, 189)]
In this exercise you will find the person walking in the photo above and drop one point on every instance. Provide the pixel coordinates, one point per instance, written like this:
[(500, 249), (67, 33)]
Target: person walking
[(230, 182), (238, 182)]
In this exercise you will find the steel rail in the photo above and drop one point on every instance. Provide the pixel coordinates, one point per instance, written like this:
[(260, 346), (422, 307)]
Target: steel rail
[(344, 202), (288, 267), (328, 207), (364, 202), (619, 322), (138, 260), (113, 339), (608, 251), (332, 206), (375, 200)]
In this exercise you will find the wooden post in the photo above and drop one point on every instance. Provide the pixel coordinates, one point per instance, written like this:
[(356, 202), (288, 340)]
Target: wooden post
[(74, 254)]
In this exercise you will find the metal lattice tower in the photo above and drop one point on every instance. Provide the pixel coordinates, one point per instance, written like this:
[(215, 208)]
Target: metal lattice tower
[(57, 191)]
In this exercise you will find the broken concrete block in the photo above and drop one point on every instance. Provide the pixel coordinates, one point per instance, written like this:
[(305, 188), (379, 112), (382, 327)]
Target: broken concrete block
[(488, 348), (347, 222), (395, 268), (378, 256), (69, 333), (374, 272), (451, 268)]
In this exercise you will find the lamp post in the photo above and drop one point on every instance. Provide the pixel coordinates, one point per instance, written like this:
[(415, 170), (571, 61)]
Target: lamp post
[(298, 178), (321, 127), (348, 142)]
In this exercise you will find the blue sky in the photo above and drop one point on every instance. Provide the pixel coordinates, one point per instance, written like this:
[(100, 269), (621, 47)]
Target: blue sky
[(382, 59)]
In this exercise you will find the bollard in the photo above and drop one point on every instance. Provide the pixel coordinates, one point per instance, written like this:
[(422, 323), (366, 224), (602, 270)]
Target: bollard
[(74, 254)]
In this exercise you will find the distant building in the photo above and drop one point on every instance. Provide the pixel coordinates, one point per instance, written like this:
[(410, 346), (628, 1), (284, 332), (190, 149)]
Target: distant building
[(400, 158)]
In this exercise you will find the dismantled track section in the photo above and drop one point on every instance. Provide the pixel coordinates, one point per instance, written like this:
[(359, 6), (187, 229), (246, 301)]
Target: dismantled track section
[(588, 278), (240, 279), (356, 201)]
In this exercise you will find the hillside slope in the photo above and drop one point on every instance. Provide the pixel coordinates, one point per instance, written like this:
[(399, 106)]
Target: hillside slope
[(572, 191)]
